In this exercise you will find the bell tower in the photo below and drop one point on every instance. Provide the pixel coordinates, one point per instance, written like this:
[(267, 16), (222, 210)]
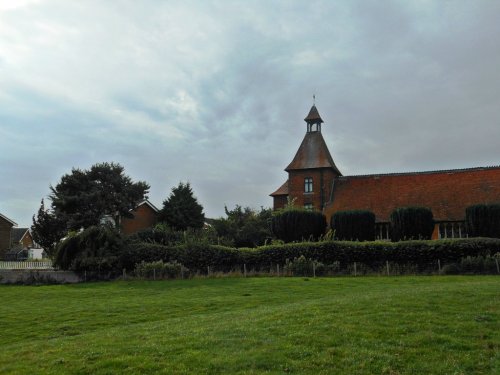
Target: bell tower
[(311, 172)]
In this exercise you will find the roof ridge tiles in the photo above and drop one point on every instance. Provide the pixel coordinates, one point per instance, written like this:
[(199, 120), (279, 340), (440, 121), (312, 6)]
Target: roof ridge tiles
[(420, 172)]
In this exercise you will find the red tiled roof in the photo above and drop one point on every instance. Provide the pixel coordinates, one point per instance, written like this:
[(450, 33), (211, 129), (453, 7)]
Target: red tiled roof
[(312, 153), (446, 193), (282, 190)]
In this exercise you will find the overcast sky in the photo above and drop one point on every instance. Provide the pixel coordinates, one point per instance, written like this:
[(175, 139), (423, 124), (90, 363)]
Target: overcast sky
[(215, 92)]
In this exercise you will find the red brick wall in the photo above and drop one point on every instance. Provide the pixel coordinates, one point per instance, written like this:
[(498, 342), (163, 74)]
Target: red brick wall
[(144, 217), (5, 228), (279, 201), (322, 184)]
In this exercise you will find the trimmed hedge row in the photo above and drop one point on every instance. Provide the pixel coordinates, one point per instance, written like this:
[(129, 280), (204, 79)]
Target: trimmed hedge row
[(419, 253)]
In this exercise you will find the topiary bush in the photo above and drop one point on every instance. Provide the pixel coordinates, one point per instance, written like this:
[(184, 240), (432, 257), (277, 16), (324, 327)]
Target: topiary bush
[(353, 225), (411, 223), (295, 224), (483, 220)]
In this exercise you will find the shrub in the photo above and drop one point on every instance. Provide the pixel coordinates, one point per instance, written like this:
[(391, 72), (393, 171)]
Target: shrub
[(297, 225), (411, 223), (160, 270), (472, 265), (302, 266), (353, 225), (483, 220), (97, 248), (164, 235)]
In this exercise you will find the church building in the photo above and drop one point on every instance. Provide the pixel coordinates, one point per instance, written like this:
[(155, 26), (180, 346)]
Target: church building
[(315, 182)]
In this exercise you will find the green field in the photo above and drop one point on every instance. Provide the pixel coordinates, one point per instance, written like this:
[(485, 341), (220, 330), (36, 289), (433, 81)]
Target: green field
[(369, 325)]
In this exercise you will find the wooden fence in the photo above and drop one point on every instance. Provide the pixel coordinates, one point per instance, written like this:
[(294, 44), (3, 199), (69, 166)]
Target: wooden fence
[(45, 265)]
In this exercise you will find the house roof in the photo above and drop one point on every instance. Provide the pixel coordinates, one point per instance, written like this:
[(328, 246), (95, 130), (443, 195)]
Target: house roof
[(313, 117), (312, 153), (447, 193), (148, 203), (8, 220), (282, 190), (17, 234)]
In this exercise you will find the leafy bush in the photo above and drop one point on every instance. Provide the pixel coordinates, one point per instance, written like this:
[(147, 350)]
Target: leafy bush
[(302, 266), (96, 248), (297, 225), (164, 235), (483, 220), (411, 223), (160, 270), (353, 225), (472, 265), (244, 227)]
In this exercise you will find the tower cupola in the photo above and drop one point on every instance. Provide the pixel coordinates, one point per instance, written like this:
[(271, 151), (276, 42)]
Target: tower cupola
[(313, 118)]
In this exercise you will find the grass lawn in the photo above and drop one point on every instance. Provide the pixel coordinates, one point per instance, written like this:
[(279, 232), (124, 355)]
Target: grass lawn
[(366, 325)]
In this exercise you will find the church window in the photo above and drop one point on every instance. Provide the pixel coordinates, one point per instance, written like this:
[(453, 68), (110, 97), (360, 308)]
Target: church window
[(308, 206), (308, 185)]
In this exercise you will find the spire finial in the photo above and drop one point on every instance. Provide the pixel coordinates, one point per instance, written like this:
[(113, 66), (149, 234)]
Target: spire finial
[(314, 99)]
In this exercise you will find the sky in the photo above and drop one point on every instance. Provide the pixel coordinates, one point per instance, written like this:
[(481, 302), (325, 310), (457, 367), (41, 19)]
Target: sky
[(214, 93)]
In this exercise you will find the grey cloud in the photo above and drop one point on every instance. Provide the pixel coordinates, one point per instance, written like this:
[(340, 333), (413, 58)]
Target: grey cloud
[(214, 93)]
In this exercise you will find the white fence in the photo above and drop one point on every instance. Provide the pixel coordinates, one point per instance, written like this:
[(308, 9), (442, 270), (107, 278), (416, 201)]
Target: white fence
[(45, 265)]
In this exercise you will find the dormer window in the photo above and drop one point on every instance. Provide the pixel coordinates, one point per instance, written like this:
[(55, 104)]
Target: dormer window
[(308, 185)]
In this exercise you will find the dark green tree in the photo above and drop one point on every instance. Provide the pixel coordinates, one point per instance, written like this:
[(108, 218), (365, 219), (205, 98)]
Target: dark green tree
[(97, 248), (295, 224), (83, 197), (245, 227), (411, 223), (483, 220), (356, 225), (47, 229), (181, 210)]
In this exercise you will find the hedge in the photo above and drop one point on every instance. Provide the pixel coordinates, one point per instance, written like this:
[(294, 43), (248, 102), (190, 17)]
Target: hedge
[(411, 223), (483, 220), (298, 224), (422, 254), (353, 225)]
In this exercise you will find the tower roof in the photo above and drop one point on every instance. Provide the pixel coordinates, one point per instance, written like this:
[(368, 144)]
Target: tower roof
[(313, 117), (312, 153)]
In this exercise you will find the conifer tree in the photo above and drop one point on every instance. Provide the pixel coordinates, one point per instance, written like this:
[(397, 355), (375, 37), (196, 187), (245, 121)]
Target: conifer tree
[(181, 210), (47, 229)]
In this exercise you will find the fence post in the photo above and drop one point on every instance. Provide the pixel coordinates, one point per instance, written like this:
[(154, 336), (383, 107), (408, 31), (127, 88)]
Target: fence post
[(85, 276), (439, 265), (182, 272), (355, 271), (278, 269), (124, 274), (314, 269), (387, 264), (208, 271), (245, 269), (498, 267)]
